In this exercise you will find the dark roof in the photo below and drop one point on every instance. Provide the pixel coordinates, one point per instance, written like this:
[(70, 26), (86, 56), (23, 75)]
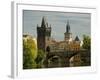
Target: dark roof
[(77, 39)]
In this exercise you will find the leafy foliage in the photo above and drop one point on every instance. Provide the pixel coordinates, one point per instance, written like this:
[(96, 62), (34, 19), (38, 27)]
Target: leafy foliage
[(29, 53), (86, 42), (31, 57), (40, 58)]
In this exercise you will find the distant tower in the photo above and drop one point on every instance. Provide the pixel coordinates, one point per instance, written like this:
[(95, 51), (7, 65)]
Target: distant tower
[(68, 34), (43, 35), (77, 43)]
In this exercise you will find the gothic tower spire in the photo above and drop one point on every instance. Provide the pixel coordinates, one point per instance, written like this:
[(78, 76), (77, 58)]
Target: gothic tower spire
[(68, 34), (68, 27), (43, 35), (44, 22)]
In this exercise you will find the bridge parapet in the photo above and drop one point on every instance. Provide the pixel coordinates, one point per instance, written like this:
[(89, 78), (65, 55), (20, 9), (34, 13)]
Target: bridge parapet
[(64, 53)]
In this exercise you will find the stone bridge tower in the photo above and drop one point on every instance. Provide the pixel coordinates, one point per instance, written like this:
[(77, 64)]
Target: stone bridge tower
[(68, 34), (43, 35)]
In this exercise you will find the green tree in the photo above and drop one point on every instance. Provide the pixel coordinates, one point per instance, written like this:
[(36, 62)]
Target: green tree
[(86, 42), (29, 53), (40, 58)]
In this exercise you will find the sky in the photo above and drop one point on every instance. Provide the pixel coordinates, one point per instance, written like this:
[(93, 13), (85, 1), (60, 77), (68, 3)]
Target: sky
[(80, 23)]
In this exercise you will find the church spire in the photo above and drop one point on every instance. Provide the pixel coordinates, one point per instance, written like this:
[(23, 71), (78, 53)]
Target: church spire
[(68, 27), (44, 23), (68, 34)]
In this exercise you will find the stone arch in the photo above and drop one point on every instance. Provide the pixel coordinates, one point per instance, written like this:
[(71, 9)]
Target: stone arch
[(54, 61), (75, 60), (71, 60)]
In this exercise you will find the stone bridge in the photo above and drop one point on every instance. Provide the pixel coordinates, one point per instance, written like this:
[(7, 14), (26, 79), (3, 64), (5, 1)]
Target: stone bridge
[(64, 56)]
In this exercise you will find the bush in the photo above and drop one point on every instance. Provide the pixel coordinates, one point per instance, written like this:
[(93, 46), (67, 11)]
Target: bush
[(29, 53)]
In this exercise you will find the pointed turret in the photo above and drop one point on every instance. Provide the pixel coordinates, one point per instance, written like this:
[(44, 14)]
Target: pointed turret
[(44, 22), (68, 27), (77, 39)]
